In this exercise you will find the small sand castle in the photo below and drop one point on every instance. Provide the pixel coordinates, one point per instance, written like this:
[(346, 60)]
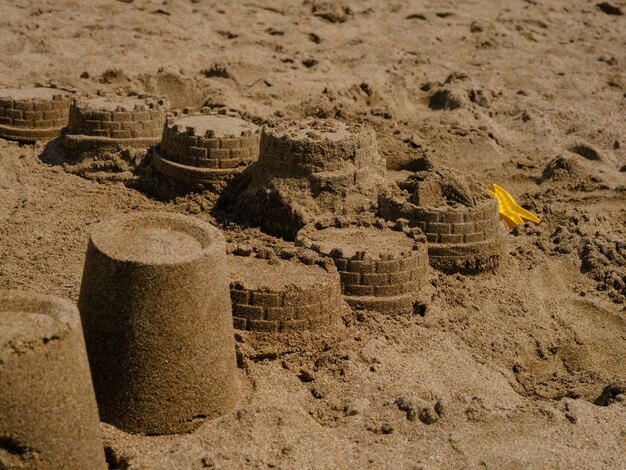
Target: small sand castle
[(31, 114), (48, 412), (380, 269), (459, 219), (309, 169), (112, 122), (156, 312), (277, 296), (199, 148)]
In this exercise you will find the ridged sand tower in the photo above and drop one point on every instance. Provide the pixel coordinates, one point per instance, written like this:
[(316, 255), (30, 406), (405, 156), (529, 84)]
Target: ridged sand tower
[(380, 269), (282, 296), (460, 221), (106, 122)]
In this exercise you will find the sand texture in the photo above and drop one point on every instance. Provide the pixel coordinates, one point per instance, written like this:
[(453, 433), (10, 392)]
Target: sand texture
[(515, 364)]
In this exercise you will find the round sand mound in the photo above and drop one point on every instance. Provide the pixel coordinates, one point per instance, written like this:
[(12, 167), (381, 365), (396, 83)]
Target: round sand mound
[(31, 114), (281, 296), (200, 148)]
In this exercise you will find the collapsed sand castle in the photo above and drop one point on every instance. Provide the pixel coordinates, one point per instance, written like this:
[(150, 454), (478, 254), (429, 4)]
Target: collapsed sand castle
[(198, 148), (31, 114), (380, 269), (460, 221), (306, 170)]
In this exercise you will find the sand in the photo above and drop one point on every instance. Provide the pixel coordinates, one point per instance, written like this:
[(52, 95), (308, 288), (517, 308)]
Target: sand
[(507, 369)]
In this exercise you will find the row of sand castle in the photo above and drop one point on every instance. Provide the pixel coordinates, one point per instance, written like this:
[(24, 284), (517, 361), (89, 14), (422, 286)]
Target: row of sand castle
[(152, 350)]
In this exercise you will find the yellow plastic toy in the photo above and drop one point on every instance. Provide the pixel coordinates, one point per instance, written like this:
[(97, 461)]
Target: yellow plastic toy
[(510, 212)]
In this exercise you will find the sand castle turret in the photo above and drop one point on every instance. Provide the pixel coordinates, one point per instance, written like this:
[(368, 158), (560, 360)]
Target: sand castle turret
[(308, 169), (48, 413), (31, 114), (110, 122), (199, 148), (156, 312), (380, 269), (276, 296), (460, 221)]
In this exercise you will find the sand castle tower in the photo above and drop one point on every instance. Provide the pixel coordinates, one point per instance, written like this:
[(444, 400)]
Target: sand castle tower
[(157, 317), (48, 413), (461, 222), (276, 296), (31, 114), (198, 148), (380, 269), (308, 169), (112, 122)]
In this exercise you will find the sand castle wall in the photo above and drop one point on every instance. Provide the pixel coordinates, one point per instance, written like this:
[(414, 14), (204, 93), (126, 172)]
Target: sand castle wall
[(156, 312), (202, 147), (114, 120), (282, 297), (379, 268), (33, 113), (48, 413)]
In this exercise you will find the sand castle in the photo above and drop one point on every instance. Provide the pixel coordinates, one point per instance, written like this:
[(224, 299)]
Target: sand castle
[(30, 114), (309, 169), (459, 219), (281, 296), (49, 417), (111, 122), (199, 148), (380, 269), (156, 312)]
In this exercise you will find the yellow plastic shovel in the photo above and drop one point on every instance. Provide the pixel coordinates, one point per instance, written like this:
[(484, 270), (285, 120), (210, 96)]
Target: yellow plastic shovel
[(510, 212)]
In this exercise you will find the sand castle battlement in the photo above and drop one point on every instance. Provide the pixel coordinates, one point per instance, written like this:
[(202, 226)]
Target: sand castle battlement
[(379, 268), (202, 147), (33, 113), (276, 296), (114, 121)]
